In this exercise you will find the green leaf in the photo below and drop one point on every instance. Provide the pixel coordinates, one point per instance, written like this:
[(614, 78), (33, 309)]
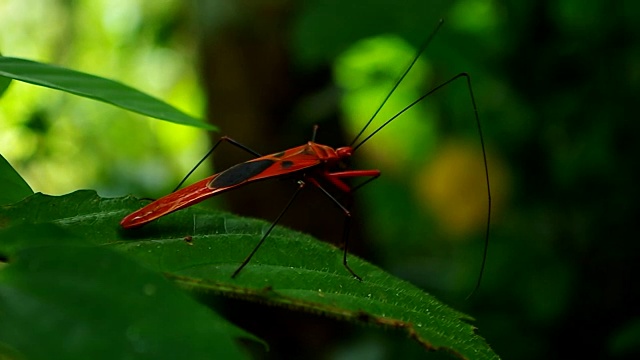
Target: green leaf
[(291, 269), (4, 84), (12, 186), (60, 300), (94, 87)]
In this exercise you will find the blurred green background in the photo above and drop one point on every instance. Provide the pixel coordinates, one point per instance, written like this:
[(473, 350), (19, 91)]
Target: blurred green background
[(556, 82)]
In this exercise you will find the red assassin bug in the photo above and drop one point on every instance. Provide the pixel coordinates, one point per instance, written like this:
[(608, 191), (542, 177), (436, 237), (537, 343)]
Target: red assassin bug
[(312, 162)]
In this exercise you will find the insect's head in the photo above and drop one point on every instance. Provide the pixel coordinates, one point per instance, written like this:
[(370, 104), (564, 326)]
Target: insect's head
[(344, 152)]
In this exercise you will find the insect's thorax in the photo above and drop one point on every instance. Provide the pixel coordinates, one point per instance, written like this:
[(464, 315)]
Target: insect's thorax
[(329, 154)]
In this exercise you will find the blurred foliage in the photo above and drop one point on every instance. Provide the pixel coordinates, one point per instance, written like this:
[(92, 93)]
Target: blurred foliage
[(556, 84), (44, 133)]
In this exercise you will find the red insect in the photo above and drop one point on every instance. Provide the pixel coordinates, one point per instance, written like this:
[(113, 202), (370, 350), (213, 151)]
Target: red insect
[(312, 163), (312, 160)]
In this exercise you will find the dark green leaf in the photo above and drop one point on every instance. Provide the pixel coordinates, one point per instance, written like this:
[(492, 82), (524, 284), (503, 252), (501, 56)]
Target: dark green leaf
[(94, 87), (4, 84), (291, 269), (12, 186), (59, 300)]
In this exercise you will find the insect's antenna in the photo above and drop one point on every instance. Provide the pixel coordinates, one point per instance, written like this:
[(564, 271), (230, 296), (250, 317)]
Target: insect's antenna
[(395, 86)]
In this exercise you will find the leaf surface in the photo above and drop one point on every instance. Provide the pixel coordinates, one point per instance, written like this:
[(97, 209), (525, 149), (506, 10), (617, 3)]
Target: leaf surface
[(291, 269), (94, 87), (12, 186), (60, 298)]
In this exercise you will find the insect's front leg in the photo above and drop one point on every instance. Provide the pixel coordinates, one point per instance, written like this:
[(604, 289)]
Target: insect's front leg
[(336, 178), (347, 218)]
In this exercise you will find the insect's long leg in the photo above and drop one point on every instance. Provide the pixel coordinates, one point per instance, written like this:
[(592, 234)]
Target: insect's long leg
[(301, 184), (347, 225), (372, 174), (337, 176), (345, 240), (364, 183), (221, 140), (484, 155)]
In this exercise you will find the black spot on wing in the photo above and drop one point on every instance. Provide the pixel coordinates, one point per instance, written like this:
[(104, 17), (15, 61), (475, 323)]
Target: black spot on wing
[(239, 173), (286, 164)]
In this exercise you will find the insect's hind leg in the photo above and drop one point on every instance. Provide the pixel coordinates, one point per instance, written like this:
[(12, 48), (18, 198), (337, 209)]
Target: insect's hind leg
[(301, 184), (221, 140)]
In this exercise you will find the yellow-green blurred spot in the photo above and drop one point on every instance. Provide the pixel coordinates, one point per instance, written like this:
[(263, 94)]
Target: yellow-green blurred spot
[(453, 188)]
